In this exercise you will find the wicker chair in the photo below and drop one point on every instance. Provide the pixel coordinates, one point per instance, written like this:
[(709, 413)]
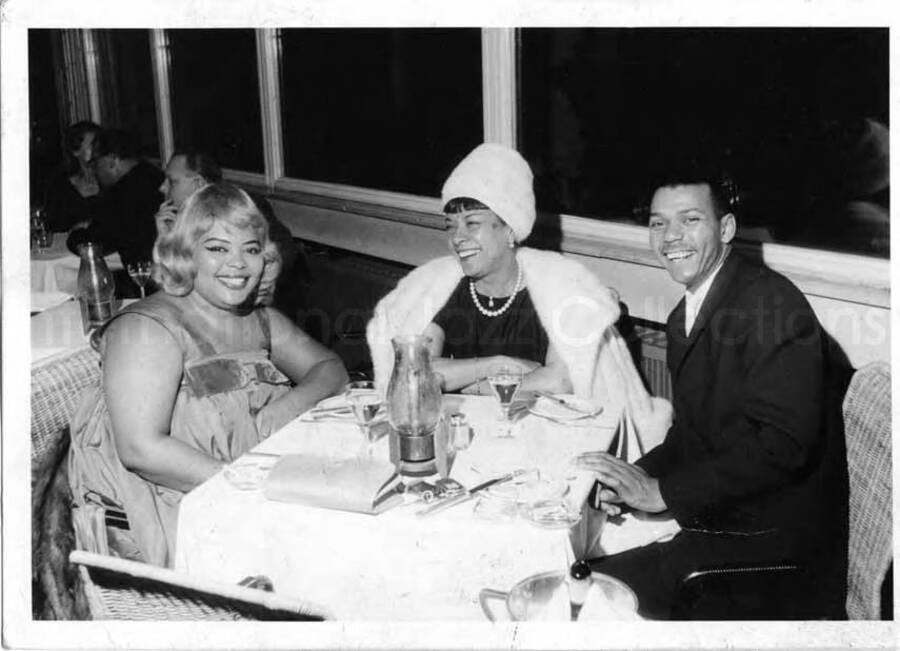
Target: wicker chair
[(867, 419), (122, 589), (867, 429), (56, 388)]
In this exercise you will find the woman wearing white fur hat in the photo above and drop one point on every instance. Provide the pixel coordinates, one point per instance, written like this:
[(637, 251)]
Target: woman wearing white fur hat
[(492, 301)]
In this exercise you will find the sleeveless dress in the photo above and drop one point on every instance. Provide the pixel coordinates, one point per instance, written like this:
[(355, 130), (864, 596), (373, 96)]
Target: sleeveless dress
[(120, 513)]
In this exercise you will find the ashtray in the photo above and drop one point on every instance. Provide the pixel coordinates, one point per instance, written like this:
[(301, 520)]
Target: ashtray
[(552, 514), (529, 491), (249, 471)]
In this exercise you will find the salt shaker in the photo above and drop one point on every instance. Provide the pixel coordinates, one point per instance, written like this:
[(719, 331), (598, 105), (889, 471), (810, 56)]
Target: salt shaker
[(460, 433)]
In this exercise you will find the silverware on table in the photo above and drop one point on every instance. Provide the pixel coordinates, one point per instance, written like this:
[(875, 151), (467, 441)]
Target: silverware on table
[(465, 496), (322, 411), (565, 403)]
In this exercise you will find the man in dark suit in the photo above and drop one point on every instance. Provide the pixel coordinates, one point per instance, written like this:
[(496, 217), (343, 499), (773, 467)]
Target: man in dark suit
[(754, 466), (129, 196)]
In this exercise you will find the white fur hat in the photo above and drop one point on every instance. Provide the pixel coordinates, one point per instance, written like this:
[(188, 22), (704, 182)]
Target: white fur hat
[(501, 179)]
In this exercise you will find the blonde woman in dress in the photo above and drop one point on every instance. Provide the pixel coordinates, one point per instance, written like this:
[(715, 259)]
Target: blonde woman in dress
[(193, 377)]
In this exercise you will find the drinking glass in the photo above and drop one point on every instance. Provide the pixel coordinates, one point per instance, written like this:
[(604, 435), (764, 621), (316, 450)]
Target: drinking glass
[(42, 236), (44, 239), (140, 274), (365, 402), (505, 380)]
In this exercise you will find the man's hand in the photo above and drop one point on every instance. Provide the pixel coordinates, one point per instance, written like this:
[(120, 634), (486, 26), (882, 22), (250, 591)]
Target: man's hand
[(265, 293), (623, 483), (165, 217)]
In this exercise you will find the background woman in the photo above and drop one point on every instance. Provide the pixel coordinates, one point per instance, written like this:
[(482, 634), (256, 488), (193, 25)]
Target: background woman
[(193, 377), (72, 192)]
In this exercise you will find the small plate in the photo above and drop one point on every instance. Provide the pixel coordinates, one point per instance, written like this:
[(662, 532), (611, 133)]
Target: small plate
[(554, 411), (552, 514), (528, 492), (335, 408), (334, 402)]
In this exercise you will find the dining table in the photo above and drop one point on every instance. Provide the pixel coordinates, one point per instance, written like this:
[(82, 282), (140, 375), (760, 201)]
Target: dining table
[(55, 269), (398, 565)]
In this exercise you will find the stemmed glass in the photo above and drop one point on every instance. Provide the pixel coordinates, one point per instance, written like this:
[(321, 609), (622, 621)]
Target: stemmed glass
[(365, 401), (140, 274), (505, 380)]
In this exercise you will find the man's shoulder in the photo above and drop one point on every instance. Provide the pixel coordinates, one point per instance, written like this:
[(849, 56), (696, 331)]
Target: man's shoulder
[(143, 174), (753, 281)]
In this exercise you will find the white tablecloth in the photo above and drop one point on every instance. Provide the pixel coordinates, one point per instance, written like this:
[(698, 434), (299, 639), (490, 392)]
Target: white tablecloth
[(393, 566), (58, 330), (56, 270)]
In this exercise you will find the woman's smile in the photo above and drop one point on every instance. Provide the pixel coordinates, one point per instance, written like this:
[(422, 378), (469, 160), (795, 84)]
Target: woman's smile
[(234, 282)]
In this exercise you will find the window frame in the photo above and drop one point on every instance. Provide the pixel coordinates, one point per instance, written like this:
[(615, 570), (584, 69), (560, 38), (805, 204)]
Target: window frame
[(847, 277)]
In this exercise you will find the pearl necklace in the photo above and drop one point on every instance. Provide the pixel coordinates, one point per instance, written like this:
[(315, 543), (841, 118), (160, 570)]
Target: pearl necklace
[(485, 311)]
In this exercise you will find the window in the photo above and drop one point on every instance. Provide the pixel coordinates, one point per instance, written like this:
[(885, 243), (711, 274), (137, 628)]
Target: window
[(215, 95), (392, 109), (801, 114), (133, 105), (44, 121)]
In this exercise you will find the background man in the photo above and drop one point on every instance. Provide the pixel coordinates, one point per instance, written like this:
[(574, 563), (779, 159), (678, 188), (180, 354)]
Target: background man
[(123, 218), (754, 466), (284, 284)]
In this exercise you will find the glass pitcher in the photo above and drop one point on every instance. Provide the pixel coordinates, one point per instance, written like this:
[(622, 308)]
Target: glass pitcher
[(413, 399)]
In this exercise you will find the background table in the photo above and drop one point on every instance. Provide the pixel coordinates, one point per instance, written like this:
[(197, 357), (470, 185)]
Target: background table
[(393, 566), (56, 269), (58, 331)]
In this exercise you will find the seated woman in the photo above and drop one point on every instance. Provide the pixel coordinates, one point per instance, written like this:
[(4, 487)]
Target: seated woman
[(493, 302), (193, 377), (72, 193)]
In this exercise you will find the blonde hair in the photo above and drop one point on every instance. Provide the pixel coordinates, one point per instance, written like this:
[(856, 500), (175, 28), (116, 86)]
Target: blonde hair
[(173, 254)]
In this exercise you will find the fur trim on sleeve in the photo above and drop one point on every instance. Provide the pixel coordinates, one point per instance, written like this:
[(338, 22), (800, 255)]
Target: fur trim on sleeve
[(576, 310), (579, 313), (408, 309)]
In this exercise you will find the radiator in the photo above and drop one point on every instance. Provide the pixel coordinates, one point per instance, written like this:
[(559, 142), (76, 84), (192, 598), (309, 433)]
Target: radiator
[(653, 361)]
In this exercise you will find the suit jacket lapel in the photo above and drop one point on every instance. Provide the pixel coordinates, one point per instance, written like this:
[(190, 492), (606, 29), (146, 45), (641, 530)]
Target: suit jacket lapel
[(677, 339), (717, 293)]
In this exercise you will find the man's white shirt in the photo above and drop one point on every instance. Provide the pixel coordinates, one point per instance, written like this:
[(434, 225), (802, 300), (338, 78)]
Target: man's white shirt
[(693, 301)]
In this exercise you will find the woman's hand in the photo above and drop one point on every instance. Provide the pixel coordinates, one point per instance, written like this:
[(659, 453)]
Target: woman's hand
[(265, 293)]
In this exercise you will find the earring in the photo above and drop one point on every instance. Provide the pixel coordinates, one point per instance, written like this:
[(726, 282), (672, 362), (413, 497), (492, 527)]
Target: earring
[(511, 243)]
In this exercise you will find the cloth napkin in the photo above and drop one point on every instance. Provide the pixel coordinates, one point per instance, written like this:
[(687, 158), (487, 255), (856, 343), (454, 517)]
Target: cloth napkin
[(354, 484), (630, 530)]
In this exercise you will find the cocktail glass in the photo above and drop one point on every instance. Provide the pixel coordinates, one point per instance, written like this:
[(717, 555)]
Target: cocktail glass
[(140, 274), (365, 401), (505, 381)]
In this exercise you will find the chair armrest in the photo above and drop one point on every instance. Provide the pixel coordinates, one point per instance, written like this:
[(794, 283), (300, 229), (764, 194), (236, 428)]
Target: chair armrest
[(743, 591)]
